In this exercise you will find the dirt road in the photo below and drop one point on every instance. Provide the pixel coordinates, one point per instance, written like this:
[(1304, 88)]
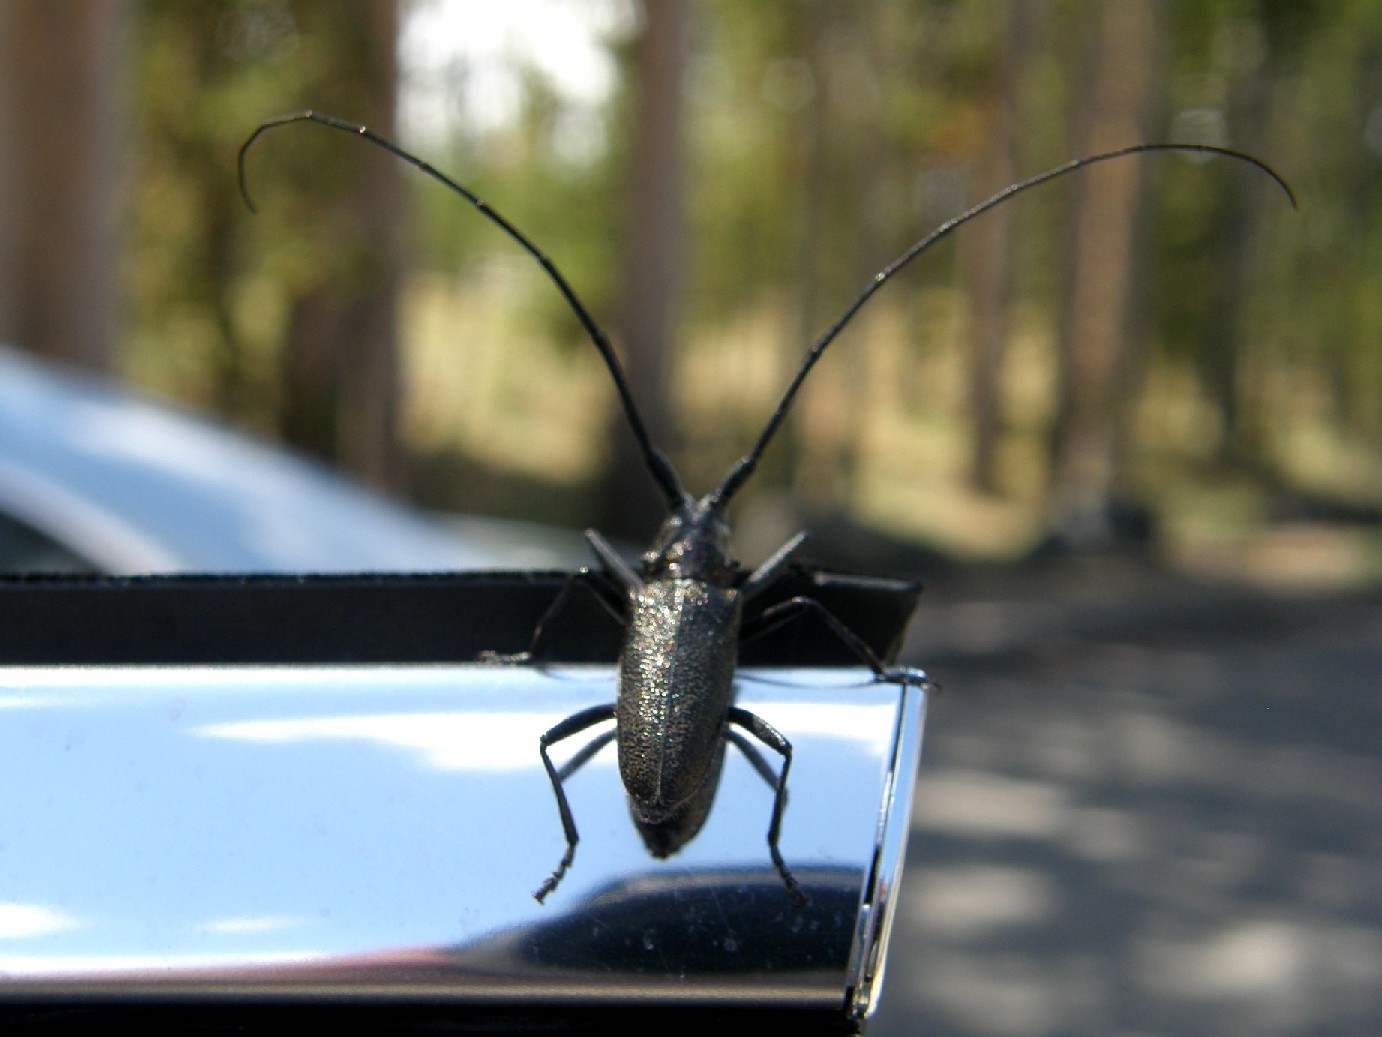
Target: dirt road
[(1147, 806)]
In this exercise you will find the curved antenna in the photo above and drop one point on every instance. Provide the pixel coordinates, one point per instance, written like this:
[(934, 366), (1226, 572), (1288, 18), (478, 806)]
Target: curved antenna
[(744, 467), (658, 465)]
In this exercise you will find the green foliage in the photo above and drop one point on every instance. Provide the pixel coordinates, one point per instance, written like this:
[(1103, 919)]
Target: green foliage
[(823, 138), (211, 284)]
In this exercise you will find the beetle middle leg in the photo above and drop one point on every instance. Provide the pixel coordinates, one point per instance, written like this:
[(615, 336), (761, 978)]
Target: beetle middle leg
[(785, 611), (572, 725), (773, 739)]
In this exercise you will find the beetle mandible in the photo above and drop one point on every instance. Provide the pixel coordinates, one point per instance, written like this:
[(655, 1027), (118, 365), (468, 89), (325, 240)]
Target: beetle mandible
[(683, 607)]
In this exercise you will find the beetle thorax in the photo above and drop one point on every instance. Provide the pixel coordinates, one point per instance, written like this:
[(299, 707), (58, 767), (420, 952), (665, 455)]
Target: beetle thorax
[(693, 543)]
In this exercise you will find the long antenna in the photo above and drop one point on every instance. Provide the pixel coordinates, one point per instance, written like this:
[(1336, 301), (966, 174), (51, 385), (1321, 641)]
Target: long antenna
[(744, 467), (657, 462)]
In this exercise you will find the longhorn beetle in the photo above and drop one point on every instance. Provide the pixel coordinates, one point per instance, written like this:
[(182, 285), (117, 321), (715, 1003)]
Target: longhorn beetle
[(683, 607)]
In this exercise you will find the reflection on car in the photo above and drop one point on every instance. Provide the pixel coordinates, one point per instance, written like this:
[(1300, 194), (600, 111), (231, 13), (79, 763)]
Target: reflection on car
[(96, 479)]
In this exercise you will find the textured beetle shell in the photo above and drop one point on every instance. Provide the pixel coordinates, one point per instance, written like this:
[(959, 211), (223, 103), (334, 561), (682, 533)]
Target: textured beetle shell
[(676, 683), (664, 838)]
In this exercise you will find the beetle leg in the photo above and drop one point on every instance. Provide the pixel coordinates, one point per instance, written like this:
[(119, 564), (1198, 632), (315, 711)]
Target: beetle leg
[(614, 561), (580, 758), (596, 583), (772, 738), (572, 725), (771, 569), (753, 756), (784, 612)]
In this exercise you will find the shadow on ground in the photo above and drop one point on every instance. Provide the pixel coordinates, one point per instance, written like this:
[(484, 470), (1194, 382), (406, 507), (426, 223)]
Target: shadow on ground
[(1147, 805)]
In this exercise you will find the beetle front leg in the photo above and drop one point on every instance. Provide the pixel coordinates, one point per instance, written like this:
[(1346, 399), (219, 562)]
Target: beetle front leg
[(773, 739), (596, 583), (572, 725)]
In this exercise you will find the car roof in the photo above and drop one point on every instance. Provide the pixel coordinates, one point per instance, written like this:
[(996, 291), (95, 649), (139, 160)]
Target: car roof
[(134, 486)]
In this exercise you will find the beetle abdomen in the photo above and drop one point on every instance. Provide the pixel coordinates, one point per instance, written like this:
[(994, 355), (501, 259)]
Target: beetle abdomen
[(676, 684)]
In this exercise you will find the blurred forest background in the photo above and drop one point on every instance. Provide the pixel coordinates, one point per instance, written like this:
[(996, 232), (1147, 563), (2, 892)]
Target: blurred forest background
[(1155, 352)]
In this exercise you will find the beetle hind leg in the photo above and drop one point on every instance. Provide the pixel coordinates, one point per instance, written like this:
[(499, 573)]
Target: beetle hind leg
[(773, 739), (572, 725)]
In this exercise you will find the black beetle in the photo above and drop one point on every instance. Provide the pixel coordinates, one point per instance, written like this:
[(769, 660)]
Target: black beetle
[(683, 608)]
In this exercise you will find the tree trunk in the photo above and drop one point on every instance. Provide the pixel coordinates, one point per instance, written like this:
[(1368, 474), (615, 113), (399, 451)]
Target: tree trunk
[(339, 362), (847, 218), (654, 257), (62, 93), (370, 379), (988, 250), (1099, 332), (1220, 351)]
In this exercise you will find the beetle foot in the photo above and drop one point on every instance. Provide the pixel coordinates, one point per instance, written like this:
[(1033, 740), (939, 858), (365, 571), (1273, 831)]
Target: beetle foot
[(555, 878), (490, 658), (911, 677), (788, 879)]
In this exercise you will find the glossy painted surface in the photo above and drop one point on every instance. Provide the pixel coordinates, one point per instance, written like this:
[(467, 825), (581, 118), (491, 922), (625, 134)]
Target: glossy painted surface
[(368, 829), (121, 484)]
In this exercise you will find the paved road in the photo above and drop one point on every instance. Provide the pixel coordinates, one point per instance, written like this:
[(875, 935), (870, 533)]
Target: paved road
[(1146, 807)]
